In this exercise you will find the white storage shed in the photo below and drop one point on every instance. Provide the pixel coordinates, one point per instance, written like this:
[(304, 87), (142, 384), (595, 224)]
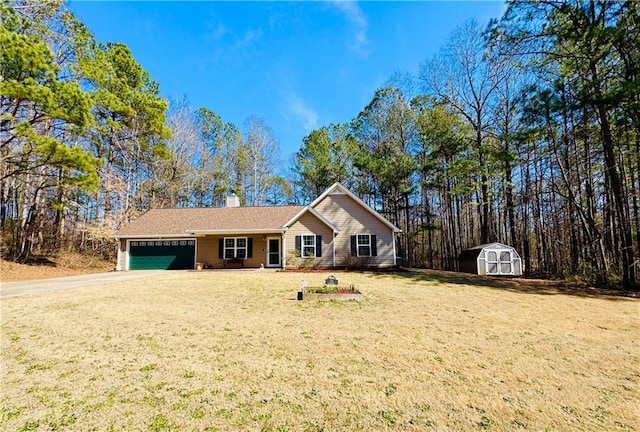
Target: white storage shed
[(492, 259)]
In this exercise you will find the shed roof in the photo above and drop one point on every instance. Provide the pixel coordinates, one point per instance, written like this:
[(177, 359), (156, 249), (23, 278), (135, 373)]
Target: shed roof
[(183, 221), (473, 252), (491, 245)]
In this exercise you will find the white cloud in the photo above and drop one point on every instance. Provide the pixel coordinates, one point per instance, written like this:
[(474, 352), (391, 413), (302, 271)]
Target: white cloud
[(297, 108), (248, 38), (215, 28), (359, 23), (229, 38), (218, 32)]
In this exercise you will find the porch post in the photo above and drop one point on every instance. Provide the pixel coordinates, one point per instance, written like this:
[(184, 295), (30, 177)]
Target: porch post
[(119, 256), (283, 248)]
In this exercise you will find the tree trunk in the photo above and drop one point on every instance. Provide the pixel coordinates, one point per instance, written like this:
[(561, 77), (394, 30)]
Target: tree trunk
[(620, 202)]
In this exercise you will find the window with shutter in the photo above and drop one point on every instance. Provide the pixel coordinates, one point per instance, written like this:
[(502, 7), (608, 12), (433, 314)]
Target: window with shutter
[(308, 246), (236, 247), (364, 245)]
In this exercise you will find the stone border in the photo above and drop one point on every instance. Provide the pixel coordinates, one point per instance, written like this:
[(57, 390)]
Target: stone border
[(332, 296)]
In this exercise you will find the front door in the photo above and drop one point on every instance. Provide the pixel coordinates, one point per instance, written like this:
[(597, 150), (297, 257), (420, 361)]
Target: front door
[(273, 252)]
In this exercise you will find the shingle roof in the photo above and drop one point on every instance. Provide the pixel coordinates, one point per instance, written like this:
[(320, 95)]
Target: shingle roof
[(176, 221), (494, 244)]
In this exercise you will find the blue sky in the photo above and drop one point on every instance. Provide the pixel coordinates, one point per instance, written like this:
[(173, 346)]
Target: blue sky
[(297, 65)]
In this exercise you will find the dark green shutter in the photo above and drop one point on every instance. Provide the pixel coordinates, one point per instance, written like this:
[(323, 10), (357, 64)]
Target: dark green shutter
[(298, 243), (374, 245), (318, 246), (354, 250), (250, 247), (221, 248)]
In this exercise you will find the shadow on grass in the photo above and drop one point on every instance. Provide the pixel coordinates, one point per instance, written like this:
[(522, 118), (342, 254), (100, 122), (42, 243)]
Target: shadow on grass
[(517, 285), (38, 260)]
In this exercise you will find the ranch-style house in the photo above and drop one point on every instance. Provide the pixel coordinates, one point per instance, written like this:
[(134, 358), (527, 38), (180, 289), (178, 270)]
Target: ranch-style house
[(335, 229)]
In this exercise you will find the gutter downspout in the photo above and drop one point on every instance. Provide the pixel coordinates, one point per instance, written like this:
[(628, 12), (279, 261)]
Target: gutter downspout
[(393, 236), (333, 244)]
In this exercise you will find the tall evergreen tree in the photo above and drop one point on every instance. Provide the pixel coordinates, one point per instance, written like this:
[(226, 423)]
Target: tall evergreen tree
[(385, 134), (129, 127), (41, 116), (326, 157), (583, 43)]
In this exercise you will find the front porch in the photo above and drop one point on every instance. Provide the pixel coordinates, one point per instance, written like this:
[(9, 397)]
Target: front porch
[(236, 251)]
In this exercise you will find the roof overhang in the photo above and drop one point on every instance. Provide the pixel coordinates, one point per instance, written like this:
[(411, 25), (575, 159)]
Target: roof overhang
[(235, 231), (316, 214), (146, 236), (341, 189)]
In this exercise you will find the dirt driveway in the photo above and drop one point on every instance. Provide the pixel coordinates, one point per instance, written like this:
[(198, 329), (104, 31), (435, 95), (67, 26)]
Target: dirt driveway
[(28, 287)]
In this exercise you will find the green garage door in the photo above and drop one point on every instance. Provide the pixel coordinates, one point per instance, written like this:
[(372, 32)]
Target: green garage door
[(162, 254)]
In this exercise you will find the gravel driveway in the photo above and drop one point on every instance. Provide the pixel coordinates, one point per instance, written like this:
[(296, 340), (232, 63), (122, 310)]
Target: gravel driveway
[(27, 287)]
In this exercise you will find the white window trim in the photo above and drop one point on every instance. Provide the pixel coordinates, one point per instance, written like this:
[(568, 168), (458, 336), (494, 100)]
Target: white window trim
[(302, 246), (235, 247), (358, 244)]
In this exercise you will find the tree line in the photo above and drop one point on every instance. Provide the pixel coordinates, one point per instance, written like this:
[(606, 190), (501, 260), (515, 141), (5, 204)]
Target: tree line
[(87, 142), (525, 131)]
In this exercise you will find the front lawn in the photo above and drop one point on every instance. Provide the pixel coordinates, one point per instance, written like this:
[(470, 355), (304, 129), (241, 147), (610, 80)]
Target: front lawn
[(234, 350)]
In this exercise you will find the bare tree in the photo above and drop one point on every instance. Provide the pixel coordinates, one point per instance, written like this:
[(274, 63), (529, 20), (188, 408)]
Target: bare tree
[(262, 155), (464, 77)]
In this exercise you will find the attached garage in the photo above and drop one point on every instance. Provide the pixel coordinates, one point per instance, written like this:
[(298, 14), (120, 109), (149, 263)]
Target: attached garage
[(162, 254), (493, 259), (258, 237)]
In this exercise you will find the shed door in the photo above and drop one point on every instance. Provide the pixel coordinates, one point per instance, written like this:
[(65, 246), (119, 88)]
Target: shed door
[(499, 262), (162, 254)]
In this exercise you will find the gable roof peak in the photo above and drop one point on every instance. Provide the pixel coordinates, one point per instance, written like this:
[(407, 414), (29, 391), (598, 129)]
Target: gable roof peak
[(338, 185), (318, 216)]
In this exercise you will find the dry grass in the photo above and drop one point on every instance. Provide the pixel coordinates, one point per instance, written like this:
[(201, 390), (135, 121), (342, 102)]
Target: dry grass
[(42, 267), (235, 351)]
